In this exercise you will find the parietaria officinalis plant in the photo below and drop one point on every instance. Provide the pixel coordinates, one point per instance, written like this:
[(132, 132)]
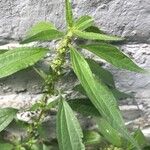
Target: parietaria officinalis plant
[(96, 84)]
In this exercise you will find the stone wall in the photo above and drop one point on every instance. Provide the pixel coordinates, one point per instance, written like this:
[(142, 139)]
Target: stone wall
[(129, 19)]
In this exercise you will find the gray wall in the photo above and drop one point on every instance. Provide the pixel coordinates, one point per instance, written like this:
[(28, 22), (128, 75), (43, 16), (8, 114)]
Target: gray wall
[(130, 19)]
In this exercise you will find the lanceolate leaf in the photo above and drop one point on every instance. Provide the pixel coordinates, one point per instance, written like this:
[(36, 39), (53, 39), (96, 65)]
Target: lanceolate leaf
[(83, 23), (140, 138), (45, 35), (120, 95), (19, 58), (101, 73), (113, 55), (94, 29), (95, 36), (106, 77), (117, 94), (108, 132), (84, 106), (42, 31), (3, 51), (99, 94), (79, 89), (68, 129), (39, 27), (69, 15), (6, 116)]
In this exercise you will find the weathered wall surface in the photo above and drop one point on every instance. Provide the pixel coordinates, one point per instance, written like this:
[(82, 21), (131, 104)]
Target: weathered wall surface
[(122, 17), (130, 19)]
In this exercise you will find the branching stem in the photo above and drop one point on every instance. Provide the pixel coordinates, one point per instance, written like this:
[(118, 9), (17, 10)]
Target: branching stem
[(56, 69)]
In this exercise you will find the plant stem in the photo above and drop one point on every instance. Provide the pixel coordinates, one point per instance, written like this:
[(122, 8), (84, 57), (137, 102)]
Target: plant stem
[(56, 68)]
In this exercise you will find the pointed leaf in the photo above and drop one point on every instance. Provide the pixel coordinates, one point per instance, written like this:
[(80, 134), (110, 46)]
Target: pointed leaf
[(101, 73), (19, 58), (99, 94), (113, 55), (45, 35), (42, 31), (94, 29), (68, 129), (6, 146), (120, 95), (83, 23), (106, 77), (140, 138), (80, 89), (95, 36), (69, 15), (3, 51), (84, 106), (6, 117), (109, 133), (117, 94), (39, 27), (91, 137)]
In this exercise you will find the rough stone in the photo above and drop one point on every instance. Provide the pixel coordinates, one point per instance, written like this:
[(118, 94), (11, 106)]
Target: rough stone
[(129, 19)]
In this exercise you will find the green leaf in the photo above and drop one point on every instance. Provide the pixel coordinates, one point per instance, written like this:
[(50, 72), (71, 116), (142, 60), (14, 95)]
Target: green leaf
[(95, 36), (6, 117), (84, 106), (83, 23), (117, 94), (120, 95), (3, 51), (112, 55), (39, 27), (69, 14), (140, 138), (101, 73), (36, 106), (94, 29), (146, 147), (19, 58), (80, 89), (45, 35), (106, 77), (91, 137), (99, 94), (69, 132), (110, 134), (42, 31), (5, 146)]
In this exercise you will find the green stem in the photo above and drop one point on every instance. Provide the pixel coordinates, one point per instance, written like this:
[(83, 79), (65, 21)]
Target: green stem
[(56, 68)]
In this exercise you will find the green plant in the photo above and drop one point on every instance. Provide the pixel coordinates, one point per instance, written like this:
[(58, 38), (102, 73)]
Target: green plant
[(96, 84)]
